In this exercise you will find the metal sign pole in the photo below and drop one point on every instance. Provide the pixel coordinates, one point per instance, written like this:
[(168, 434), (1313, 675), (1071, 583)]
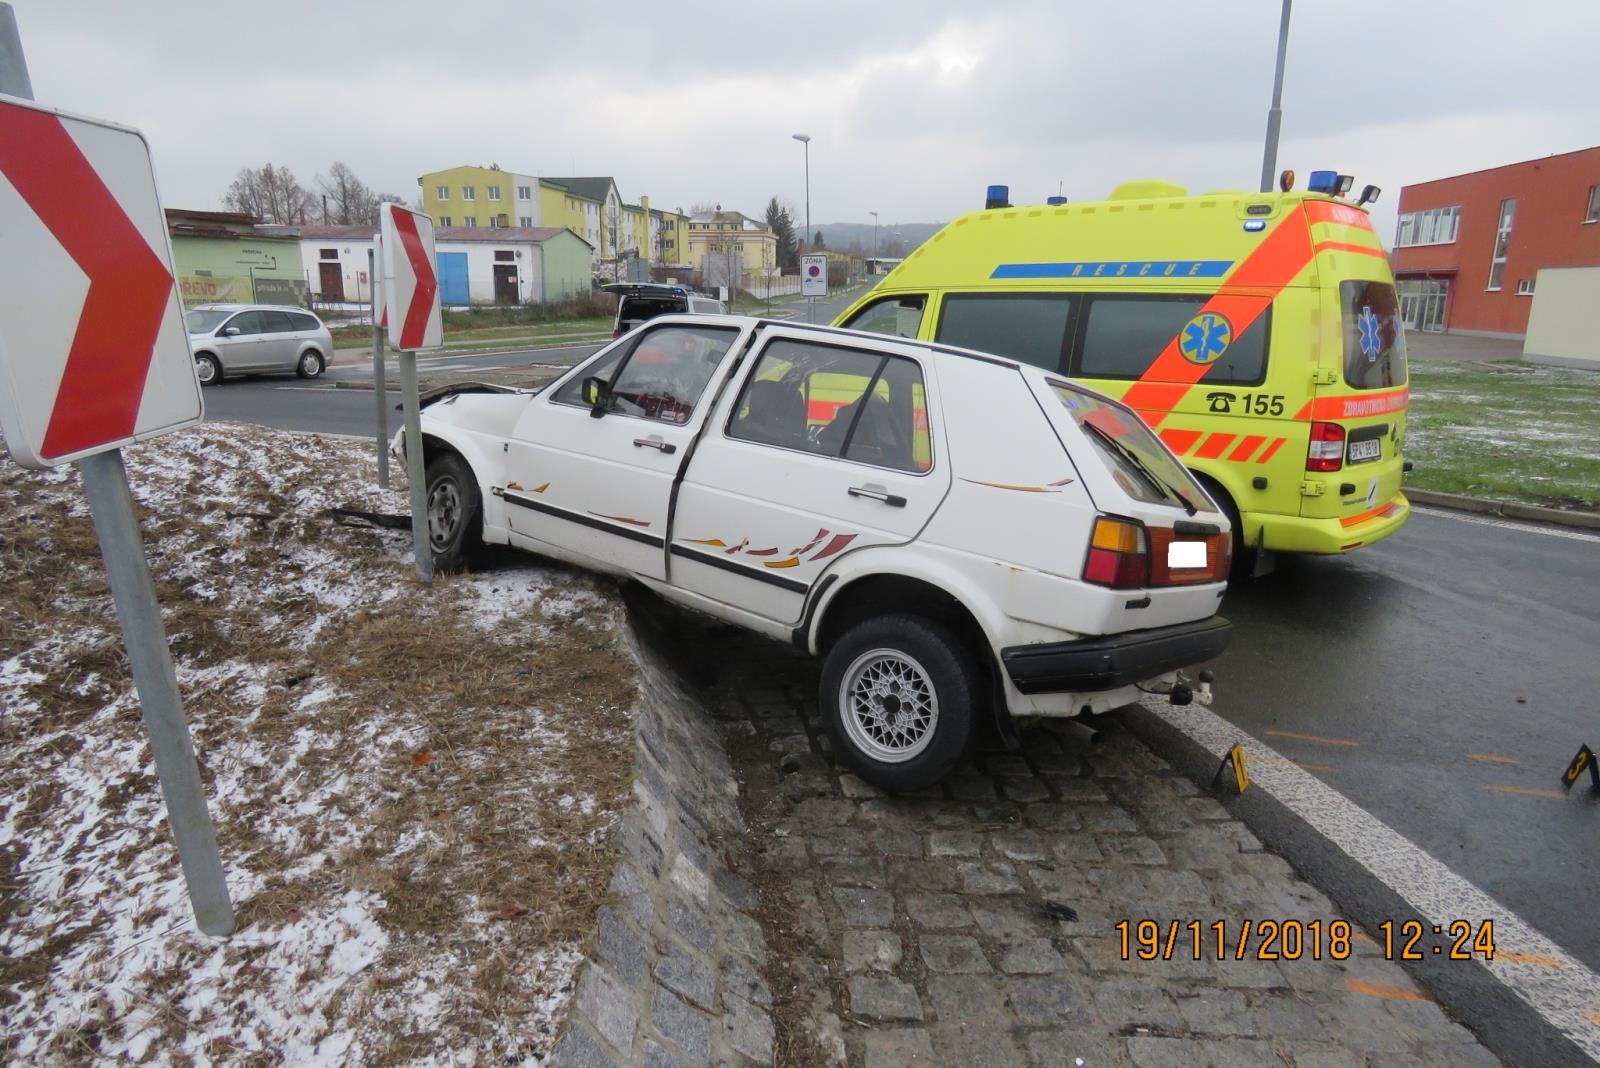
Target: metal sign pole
[(415, 473), (379, 386), (105, 483)]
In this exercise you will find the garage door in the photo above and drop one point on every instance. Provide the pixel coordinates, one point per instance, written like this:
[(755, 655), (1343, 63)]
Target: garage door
[(453, 278)]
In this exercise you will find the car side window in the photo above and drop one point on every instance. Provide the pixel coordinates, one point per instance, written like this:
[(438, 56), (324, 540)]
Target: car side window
[(836, 402), (1122, 335), (302, 321), (1033, 328), (247, 323), (662, 376), (277, 323), (896, 316)]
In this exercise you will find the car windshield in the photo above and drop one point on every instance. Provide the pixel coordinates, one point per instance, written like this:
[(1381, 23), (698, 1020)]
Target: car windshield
[(1130, 451), (204, 320)]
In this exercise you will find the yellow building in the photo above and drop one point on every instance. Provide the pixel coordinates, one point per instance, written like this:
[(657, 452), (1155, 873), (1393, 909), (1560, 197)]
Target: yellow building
[(669, 236), (483, 197), (717, 239)]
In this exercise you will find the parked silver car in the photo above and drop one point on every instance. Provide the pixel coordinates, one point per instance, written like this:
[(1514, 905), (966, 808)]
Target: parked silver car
[(232, 339)]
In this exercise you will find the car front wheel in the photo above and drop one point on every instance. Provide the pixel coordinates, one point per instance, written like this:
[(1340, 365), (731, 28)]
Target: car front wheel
[(310, 365), (899, 697), (454, 511)]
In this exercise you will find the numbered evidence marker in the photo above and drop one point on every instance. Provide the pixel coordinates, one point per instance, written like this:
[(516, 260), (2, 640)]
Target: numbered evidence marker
[(1235, 758), (1584, 759)]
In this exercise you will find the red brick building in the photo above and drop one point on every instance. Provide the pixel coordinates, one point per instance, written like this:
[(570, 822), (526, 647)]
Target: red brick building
[(1468, 249)]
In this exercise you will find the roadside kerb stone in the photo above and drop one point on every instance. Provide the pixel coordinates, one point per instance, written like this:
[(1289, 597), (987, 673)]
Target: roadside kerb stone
[(673, 973)]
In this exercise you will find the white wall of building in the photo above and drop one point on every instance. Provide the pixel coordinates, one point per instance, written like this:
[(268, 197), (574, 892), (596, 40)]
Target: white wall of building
[(1564, 322), (481, 262)]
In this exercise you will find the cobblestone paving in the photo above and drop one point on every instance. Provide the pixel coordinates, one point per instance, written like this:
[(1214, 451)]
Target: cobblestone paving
[(919, 930)]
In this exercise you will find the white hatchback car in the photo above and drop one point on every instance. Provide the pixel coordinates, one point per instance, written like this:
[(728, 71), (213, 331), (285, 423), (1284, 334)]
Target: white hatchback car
[(954, 533)]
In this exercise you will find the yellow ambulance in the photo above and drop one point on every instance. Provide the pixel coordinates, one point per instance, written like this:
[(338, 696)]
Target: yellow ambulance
[(1258, 333)]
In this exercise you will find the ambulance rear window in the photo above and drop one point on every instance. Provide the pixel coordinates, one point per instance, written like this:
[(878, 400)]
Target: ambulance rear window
[(1374, 342)]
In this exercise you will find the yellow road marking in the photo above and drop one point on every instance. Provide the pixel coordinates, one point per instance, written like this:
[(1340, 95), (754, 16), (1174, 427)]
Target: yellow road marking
[(1516, 957), (1313, 738), (1525, 791), (1383, 990), (1490, 758)]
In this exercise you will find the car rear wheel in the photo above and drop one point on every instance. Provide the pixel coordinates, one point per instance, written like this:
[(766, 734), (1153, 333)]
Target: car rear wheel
[(455, 511), (899, 699), (207, 369), (310, 365)]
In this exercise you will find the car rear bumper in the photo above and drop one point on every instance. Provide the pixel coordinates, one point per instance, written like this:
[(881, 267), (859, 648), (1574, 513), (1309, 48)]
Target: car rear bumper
[(1295, 534), (1105, 663)]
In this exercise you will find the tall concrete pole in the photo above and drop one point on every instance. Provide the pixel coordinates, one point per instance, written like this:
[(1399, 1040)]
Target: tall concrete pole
[(1269, 159)]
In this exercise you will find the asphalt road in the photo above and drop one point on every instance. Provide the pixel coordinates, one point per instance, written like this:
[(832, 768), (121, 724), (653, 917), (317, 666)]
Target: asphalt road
[(1442, 680)]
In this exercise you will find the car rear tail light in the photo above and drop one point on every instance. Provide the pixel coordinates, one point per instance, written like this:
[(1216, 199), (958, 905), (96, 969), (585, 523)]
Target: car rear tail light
[(1327, 447), (1118, 555)]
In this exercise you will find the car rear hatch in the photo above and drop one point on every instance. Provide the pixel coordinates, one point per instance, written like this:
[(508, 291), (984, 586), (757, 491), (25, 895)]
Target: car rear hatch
[(1158, 533), (639, 302), (1357, 418)]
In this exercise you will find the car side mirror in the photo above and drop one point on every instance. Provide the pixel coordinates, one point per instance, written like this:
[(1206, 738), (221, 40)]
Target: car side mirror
[(597, 395), (230, 331)]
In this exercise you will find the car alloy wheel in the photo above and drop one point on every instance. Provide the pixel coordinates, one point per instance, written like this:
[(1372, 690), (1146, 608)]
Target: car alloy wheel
[(205, 369), (890, 709)]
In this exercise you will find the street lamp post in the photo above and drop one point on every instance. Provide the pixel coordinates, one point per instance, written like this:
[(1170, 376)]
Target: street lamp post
[(1269, 158), (805, 139)]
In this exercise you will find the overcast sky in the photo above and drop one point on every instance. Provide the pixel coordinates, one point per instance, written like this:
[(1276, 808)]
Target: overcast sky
[(913, 107)]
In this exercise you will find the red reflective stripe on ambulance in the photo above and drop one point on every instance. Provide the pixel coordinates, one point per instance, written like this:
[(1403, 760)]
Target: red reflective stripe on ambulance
[(1323, 211), (1249, 445), (1345, 246), (1214, 446), (1181, 441), (1277, 443), (1360, 405), (1275, 263), (823, 411), (1376, 513)]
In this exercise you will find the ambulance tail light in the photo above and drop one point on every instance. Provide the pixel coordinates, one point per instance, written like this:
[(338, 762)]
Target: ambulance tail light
[(1119, 555), (1327, 447)]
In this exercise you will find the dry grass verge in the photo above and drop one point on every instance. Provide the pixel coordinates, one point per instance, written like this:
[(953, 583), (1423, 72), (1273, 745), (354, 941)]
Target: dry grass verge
[(413, 787)]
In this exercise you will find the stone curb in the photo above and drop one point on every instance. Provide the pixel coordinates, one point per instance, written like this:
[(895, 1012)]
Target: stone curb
[(672, 974), (1507, 509)]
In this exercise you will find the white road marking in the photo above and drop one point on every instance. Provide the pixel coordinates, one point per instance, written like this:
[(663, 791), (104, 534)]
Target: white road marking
[(1567, 995), (1508, 524)]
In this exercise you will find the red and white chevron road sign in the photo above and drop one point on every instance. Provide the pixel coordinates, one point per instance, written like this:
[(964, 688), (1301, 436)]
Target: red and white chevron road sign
[(93, 350), (410, 279)]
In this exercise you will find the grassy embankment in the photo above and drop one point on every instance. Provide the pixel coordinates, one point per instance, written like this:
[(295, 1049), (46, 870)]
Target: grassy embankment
[(1507, 431)]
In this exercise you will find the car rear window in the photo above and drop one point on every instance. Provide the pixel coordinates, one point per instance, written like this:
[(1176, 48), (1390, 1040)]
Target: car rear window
[(1374, 341), (302, 321), (636, 310), (1123, 334), (1128, 448), (1033, 328)]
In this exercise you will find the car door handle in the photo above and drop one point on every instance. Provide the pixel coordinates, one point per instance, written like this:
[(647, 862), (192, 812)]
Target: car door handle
[(654, 442), (877, 493)]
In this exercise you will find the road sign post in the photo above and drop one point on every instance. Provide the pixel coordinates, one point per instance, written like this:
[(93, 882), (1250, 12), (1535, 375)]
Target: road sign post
[(94, 355), (379, 386), (411, 304), (813, 282)]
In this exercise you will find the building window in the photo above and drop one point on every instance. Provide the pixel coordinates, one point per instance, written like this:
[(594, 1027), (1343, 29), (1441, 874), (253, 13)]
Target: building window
[(1436, 226), (524, 192), (329, 253), (444, 220), (525, 221), (1593, 214), (494, 192), (504, 255), (469, 193), (1502, 242), (471, 224), (1525, 287), (441, 192)]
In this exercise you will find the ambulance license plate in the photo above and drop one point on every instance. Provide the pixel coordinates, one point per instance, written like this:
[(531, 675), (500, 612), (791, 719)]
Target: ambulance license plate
[(1361, 451), (1186, 555)]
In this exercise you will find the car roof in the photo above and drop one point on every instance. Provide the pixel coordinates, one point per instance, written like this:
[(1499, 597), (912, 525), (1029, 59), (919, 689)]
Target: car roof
[(841, 334), (250, 307)]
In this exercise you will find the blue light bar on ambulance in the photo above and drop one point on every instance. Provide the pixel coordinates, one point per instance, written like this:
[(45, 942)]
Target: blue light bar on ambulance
[(999, 197), (1055, 201), (1323, 182)]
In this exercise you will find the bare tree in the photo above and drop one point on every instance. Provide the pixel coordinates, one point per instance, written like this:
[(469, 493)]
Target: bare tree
[(347, 200), (270, 192)]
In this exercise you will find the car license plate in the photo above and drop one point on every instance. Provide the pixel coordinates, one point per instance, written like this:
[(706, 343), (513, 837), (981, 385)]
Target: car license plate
[(1361, 451), (1186, 554)]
